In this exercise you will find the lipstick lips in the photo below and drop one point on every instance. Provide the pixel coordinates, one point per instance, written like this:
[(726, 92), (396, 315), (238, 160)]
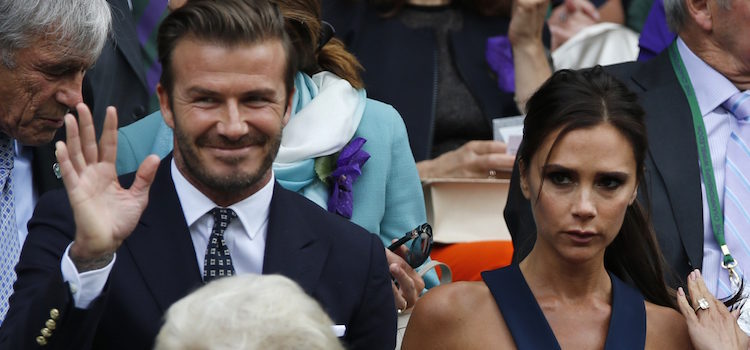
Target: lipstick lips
[(580, 237)]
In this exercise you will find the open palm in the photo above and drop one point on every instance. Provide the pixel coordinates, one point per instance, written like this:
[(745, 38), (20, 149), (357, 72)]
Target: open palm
[(104, 212)]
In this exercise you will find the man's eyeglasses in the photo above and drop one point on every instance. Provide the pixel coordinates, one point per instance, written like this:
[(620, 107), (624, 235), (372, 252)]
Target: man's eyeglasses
[(420, 247)]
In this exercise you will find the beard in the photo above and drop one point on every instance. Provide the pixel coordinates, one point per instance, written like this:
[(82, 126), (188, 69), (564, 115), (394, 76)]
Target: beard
[(233, 183)]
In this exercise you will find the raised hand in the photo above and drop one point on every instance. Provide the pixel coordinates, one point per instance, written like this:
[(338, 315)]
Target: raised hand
[(104, 212), (568, 19)]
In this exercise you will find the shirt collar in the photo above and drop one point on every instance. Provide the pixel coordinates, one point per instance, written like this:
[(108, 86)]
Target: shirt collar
[(711, 87), (252, 211)]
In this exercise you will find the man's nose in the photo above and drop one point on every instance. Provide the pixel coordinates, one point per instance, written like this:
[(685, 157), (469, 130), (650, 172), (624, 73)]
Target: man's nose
[(233, 126), (69, 93)]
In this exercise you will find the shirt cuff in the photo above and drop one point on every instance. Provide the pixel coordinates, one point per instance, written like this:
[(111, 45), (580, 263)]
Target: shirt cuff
[(87, 286)]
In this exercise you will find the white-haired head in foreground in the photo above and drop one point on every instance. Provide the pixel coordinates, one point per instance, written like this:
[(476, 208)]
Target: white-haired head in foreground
[(247, 312)]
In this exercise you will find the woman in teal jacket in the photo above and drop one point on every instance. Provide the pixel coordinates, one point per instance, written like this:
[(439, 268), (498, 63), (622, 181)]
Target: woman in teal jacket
[(325, 145)]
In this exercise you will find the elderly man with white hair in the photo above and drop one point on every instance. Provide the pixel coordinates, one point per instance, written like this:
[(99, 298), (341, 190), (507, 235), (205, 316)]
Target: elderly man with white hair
[(45, 48)]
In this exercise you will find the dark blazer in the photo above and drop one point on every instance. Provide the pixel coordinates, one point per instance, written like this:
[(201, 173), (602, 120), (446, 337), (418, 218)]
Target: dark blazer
[(42, 168), (672, 184), (401, 64), (118, 78), (338, 263)]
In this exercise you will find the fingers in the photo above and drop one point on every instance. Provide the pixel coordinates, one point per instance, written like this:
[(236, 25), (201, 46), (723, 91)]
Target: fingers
[(486, 146), (87, 134), (144, 176), (73, 144), (589, 10), (406, 286), (398, 298), (69, 173), (684, 306), (108, 141)]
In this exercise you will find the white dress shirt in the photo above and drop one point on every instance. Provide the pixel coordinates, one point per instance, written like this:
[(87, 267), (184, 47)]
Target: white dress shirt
[(711, 90), (245, 237)]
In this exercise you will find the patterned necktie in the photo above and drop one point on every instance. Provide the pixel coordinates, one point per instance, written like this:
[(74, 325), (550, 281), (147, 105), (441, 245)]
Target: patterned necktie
[(9, 247), (736, 185), (217, 262)]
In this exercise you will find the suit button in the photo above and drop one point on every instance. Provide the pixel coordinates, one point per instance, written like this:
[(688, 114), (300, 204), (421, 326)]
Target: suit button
[(50, 324), (41, 340), (46, 332), (54, 314)]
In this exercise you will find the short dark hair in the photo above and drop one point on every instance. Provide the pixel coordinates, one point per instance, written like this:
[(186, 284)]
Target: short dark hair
[(573, 100), (225, 22)]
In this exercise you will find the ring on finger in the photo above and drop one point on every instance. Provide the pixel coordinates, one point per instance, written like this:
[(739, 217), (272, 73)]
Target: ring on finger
[(702, 304), (491, 174)]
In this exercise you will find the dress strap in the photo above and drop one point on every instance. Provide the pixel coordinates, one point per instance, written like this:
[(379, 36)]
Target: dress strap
[(627, 325), (521, 312)]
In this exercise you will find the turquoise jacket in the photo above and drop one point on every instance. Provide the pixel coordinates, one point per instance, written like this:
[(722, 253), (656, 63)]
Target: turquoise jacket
[(388, 199)]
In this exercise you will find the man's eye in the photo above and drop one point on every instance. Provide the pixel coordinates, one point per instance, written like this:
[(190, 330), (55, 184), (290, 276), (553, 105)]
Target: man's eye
[(205, 99)]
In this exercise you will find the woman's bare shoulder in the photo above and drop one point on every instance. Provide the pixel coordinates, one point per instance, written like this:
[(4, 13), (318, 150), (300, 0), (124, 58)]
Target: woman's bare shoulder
[(458, 315), (665, 328), (450, 302)]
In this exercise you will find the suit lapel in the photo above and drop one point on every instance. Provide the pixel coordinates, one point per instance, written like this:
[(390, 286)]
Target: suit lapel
[(126, 37), (161, 245), (293, 248), (674, 153), (42, 168)]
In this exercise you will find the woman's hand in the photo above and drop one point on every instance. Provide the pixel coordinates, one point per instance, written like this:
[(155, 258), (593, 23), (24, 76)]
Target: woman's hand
[(568, 19), (407, 284), (475, 159), (710, 324)]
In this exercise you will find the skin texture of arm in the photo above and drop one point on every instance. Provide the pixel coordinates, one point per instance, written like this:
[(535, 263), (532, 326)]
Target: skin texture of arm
[(529, 57)]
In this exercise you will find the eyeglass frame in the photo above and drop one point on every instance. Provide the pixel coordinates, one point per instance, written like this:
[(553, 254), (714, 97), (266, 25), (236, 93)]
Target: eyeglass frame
[(413, 234)]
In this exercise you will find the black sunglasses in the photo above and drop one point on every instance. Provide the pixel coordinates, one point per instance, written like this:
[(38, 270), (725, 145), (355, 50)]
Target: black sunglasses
[(420, 247)]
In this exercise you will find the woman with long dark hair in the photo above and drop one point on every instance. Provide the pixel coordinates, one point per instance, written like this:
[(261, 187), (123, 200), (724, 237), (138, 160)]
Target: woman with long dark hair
[(594, 277)]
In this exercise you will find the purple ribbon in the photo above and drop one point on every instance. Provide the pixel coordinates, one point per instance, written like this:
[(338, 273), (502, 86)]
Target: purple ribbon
[(348, 169)]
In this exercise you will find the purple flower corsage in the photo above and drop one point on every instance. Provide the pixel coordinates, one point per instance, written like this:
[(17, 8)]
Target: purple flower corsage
[(348, 168)]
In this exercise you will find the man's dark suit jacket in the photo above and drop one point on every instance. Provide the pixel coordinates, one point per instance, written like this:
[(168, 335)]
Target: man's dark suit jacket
[(673, 183), (338, 263), (118, 78)]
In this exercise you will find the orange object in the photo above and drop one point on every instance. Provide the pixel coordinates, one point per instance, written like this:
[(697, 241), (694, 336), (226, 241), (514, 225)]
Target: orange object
[(468, 260)]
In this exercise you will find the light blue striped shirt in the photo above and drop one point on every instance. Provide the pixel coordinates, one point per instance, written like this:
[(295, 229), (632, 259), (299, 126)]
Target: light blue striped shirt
[(712, 89)]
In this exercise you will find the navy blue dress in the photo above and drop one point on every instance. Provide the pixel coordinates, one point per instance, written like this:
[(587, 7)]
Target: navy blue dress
[(529, 327)]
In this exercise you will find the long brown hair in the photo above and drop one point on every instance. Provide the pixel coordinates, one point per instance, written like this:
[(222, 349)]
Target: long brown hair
[(303, 24), (572, 100)]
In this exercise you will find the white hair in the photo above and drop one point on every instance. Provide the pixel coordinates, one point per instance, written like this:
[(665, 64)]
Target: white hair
[(79, 26), (676, 12), (247, 312)]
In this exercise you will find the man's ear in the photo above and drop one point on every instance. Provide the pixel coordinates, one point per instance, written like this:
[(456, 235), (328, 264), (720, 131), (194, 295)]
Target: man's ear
[(166, 110), (288, 111), (702, 12), (523, 175)]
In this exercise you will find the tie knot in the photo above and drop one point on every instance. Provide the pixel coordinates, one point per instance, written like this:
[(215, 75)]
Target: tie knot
[(222, 217), (739, 105)]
